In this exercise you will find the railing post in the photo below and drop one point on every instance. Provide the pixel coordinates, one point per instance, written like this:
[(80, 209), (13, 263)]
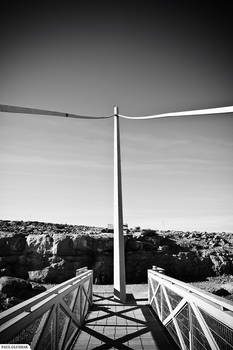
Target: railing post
[(55, 328), (148, 288), (119, 249), (190, 328), (158, 269), (91, 289)]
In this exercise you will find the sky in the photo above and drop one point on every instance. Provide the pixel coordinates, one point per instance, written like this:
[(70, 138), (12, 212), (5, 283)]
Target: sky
[(147, 59)]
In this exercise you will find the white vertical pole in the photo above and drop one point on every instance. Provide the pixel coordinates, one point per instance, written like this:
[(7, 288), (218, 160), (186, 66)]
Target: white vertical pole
[(119, 249)]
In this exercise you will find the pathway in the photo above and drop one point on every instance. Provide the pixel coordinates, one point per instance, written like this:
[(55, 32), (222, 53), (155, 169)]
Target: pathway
[(113, 325)]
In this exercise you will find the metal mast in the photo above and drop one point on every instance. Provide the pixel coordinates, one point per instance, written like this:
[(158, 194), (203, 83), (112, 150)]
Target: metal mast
[(119, 249)]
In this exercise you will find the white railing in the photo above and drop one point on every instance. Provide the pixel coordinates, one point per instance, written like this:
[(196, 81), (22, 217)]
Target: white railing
[(194, 318), (51, 320)]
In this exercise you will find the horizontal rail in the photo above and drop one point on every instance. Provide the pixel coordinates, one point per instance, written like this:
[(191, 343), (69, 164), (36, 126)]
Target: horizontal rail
[(194, 318), (54, 316), (81, 270), (32, 301), (222, 303)]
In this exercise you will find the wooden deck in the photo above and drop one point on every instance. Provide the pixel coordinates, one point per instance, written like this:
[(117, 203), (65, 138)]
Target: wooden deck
[(113, 325)]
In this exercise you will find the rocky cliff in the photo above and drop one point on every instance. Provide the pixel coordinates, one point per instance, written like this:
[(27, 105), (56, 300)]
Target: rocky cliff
[(50, 253)]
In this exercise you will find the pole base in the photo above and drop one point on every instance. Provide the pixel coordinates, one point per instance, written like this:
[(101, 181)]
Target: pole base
[(119, 296)]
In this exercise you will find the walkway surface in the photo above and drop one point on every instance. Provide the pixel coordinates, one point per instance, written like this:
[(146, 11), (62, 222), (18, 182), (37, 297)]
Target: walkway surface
[(113, 325)]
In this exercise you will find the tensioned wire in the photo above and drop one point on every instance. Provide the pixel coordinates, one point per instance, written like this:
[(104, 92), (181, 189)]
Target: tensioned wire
[(197, 112), (26, 110)]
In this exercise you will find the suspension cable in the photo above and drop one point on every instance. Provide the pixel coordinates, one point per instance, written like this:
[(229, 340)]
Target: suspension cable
[(208, 111), (197, 112), (26, 110)]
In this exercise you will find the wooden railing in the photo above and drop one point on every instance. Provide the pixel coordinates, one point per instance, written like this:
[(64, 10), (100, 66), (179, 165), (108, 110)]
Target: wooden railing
[(51, 320), (194, 318)]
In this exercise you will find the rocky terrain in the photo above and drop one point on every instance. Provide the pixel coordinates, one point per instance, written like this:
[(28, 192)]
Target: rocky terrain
[(218, 285), (51, 253)]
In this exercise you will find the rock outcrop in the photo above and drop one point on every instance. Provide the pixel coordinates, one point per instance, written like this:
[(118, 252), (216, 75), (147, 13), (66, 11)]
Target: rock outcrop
[(49, 253), (15, 290)]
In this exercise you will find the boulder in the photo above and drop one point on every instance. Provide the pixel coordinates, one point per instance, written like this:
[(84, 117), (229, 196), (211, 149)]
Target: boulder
[(40, 244), (36, 261), (15, 290), (221, 292), (82, 244), (63, 245), (15, 287), (11, 244), (37, 288), (55, 273), (221, 264), (13, 266), (6, 303)]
